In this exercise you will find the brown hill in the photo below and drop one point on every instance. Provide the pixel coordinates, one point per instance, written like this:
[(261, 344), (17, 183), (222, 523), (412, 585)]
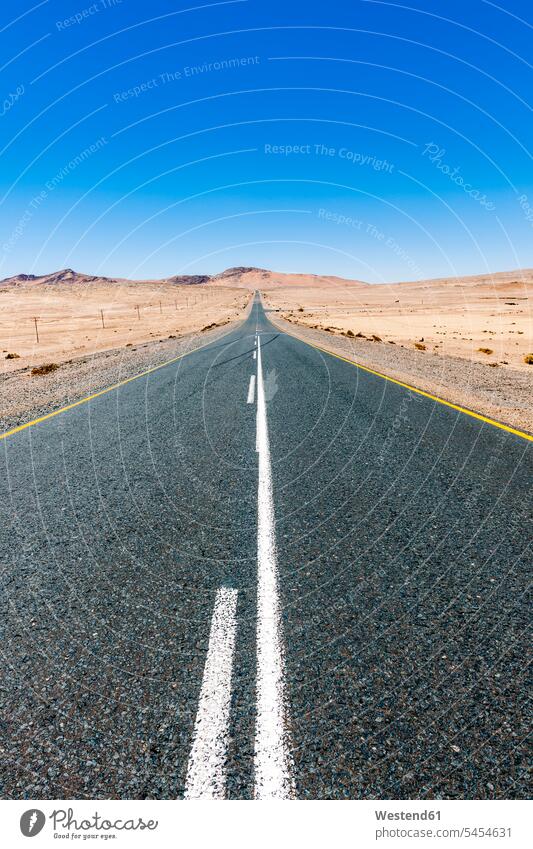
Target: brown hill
[(251, 278), (262, 278), (188, 279), (71, 277), (241, 277), (64, 275), (497, 279)]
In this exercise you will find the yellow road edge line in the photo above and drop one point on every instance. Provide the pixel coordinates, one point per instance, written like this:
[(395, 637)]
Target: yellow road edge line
[(479, 416), (104, 391)]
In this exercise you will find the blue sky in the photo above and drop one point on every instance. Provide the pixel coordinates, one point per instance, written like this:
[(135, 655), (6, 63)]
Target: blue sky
[(375, 140)]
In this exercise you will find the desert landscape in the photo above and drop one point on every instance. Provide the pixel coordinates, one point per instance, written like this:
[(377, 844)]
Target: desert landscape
[(468, 340), (66, 335), (68, 314), (482, 318)]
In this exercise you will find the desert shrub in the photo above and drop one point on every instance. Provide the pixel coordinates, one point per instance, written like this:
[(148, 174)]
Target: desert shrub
[(485, 350), (12, 356), (46, 368), (420, 346), (350, 333), (529, 359), (376, 338)]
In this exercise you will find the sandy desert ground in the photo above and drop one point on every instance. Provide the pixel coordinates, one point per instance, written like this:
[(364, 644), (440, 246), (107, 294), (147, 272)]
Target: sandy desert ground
[(483, 319), (77, 316)]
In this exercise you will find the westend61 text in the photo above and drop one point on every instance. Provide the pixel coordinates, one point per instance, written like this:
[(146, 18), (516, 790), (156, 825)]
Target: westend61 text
[(407, 815)]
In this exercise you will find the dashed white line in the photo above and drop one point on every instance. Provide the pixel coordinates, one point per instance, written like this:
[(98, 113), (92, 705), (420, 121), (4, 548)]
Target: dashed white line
[(251, 390), (206, 777), (272, 761)]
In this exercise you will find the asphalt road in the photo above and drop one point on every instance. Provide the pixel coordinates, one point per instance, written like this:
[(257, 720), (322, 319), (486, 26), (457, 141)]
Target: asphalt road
[(261, 571)]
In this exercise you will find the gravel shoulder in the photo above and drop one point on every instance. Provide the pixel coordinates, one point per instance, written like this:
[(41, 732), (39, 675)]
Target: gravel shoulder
[(503, 394), (24, 397)]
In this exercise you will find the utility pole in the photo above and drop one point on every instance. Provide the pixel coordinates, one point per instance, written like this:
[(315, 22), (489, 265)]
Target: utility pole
[(138, 313), (102, 317), (36, 331), (160, 307)]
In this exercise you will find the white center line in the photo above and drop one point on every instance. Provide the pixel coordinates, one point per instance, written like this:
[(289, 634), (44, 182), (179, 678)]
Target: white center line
[(251, 390), (206, 776), (272, 761)]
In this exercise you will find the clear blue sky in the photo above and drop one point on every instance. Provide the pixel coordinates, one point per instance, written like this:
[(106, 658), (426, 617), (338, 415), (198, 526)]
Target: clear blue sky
[(150, 139)]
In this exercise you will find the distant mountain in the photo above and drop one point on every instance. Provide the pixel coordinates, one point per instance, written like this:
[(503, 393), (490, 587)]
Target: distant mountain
[(242, 277), (497, 278), (239, 270), (251, 278), (189, 279), (65, 275), (262, 278), (69, 276)]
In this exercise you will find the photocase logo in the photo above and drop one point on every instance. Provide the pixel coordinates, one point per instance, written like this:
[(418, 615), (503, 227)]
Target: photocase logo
[(32, 822), (64, 824)]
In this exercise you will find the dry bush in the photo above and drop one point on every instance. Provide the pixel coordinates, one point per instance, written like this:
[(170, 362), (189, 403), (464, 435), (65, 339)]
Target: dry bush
[(485, 350), (420, 346), (529, 359), (12, 356), (46, 368)]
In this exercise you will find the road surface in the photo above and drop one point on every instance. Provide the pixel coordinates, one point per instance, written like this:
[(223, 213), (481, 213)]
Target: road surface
[(263, 572)]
